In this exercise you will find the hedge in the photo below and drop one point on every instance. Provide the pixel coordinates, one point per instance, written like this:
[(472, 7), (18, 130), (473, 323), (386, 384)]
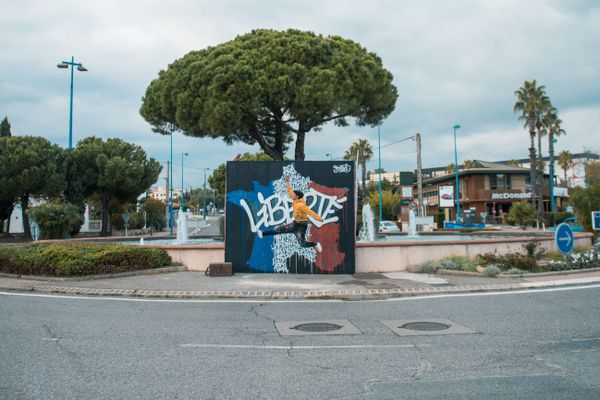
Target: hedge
[(78, 259)]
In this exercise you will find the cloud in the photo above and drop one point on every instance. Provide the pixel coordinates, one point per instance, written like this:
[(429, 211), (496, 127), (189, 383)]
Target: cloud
[(452, 62)]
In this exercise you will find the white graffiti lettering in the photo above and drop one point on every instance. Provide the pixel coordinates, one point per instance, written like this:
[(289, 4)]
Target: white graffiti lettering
[(277, 210), (341, 168)]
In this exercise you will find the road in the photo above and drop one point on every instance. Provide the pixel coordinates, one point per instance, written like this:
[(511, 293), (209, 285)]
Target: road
[(531, 345)]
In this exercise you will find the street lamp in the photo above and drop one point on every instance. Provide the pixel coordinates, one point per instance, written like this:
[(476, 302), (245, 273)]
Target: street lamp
[(380, 195), (80, 67), (182, 189), (171, 188), (457, 126), (204, 195), (554, 140)]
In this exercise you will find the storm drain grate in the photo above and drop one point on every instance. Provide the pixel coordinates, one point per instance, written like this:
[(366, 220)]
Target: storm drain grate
[(328, 327), (317, 327), (426, 327)]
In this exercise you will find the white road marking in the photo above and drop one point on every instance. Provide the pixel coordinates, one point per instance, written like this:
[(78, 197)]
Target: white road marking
[(292, 347), (275, 301), (432, 280)]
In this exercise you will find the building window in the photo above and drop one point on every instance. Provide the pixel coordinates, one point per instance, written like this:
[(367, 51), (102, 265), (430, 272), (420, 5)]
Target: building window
[(500, 181)]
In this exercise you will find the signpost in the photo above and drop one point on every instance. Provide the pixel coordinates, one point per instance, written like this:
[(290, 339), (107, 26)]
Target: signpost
[(126, 217), (596, 220), (564, 238)]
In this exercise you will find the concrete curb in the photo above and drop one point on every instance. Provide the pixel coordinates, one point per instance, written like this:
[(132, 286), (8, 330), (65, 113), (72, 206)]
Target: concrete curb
[(150, 271), (363, 294)]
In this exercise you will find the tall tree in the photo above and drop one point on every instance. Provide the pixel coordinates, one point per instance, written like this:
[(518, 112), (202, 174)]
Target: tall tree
[(450, 168), (5, 128), (217, 179), (117, 170), (531, 101), (565, 161), (361, 152), (552, 128), (31, 167), (268, 86)]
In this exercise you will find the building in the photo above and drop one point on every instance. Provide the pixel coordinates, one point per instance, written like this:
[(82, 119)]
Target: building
[(489, 188), (575, 174), (160, 193)]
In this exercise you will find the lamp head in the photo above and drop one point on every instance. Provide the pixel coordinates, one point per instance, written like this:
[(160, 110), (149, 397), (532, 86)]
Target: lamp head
[(81, 68), (457, 126), (62, 65)]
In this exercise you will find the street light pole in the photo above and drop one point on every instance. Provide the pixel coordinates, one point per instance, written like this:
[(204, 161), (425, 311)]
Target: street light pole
[(182, 189), (204, 195), (171, 189), (457, 126), (554, 140), (80, 67), (380, 195)]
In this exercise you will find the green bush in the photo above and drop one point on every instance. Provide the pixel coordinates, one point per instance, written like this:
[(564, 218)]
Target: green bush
[(430, 267), (521, 213), (555, 218), (463, 263), (78, 259), (56, 220), (491, 271), (449, 264)]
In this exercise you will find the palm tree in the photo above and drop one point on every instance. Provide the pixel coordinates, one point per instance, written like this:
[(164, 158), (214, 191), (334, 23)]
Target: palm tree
[(450, 168), (513, 163), (552, 127), (468, 164), (362, 152), (531, 101), (565, 160)]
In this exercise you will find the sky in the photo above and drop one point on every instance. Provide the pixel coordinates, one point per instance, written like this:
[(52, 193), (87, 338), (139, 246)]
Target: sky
[(452, 62)]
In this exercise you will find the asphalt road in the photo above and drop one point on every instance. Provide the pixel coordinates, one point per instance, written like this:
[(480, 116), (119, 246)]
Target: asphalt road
[(541, 345)]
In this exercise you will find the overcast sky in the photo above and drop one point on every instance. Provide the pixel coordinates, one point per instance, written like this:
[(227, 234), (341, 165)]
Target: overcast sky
[(452, 62)]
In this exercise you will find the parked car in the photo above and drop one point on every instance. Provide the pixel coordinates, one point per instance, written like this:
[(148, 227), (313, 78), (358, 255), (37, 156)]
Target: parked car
[(572, 221), (447, 196), (388, 227)]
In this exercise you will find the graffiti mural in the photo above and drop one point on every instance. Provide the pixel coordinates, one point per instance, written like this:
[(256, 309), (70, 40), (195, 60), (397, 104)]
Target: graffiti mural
[(259, 203)]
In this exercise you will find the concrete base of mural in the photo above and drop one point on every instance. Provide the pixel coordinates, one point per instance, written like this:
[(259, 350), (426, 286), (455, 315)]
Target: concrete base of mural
[(386, 256)]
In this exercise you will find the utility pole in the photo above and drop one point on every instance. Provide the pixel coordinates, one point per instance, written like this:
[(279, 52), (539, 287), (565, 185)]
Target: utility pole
[(419, 176), (167, 213)]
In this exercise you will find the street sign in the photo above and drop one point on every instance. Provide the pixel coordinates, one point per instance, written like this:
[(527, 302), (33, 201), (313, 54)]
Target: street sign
[(596, 220), (126, 217), (564, 238), (413, 206)]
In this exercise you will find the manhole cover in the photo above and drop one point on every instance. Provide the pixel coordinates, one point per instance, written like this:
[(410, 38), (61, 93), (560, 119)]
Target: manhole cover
[(317, 327), (425, 326)]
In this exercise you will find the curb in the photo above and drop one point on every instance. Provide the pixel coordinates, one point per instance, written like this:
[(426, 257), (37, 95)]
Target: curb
[(150, 271), (366, 294)]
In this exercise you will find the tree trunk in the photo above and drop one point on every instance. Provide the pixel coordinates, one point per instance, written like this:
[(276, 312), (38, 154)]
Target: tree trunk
[(566, 183), (105, 215), (270, 151), (299, 154), (25, 216), (363, 167), (532, 164)]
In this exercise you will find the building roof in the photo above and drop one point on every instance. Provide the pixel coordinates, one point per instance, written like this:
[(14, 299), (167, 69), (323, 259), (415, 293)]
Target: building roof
[(479, 171)]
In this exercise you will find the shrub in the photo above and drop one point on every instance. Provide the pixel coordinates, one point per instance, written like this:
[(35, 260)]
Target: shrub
[(464, 263), (555, 218), (449, 264), (521, 213), (78, 259), (430, 267), (56, 220), (533, 250), (515, 271), (491, 271)]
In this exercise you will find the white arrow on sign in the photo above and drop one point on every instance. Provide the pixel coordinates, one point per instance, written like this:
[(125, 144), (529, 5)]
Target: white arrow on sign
[(567, 239)]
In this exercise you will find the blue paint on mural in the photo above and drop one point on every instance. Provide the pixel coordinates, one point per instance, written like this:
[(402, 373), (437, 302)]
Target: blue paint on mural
[(261, 258)]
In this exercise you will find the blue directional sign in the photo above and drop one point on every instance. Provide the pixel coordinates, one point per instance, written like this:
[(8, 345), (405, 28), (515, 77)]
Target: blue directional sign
[(596, 220), (564, 238)]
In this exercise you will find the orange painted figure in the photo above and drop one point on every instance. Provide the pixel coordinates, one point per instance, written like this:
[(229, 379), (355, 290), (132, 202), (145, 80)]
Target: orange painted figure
[(300, 224)]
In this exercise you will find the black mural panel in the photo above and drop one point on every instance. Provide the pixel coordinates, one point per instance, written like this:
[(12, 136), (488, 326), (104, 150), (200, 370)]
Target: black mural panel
[(258, 200)]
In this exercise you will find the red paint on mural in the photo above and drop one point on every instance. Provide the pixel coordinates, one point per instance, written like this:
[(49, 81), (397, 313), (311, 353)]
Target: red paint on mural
[(329, 235)]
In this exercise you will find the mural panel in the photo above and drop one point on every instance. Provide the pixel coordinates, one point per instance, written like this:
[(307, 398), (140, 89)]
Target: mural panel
[(261, 233)]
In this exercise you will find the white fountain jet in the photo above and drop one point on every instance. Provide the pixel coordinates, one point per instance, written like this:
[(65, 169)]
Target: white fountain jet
[(412, 224), (182, 229), (367, 232)]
